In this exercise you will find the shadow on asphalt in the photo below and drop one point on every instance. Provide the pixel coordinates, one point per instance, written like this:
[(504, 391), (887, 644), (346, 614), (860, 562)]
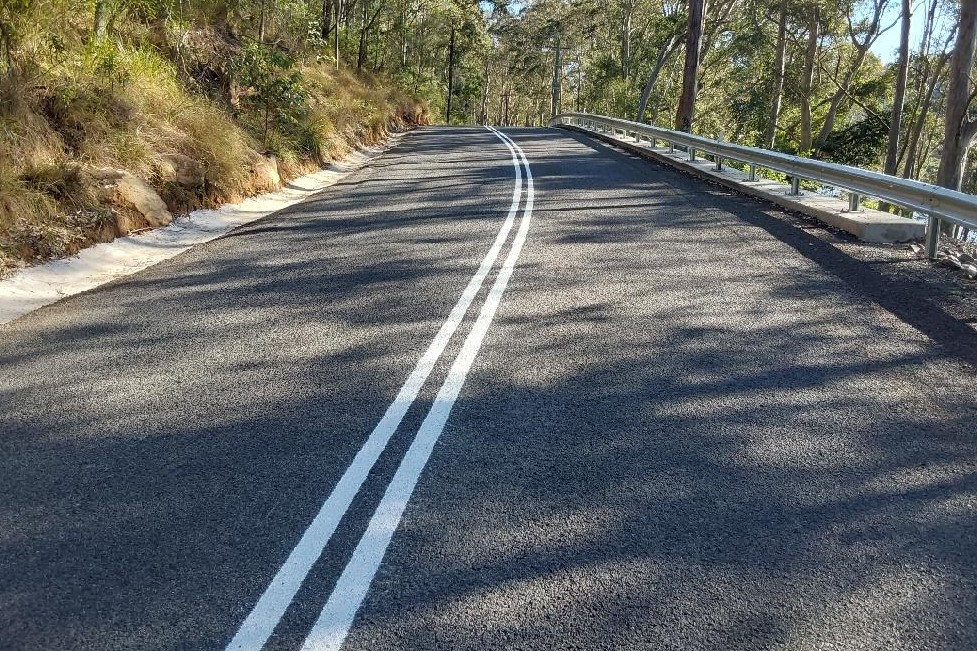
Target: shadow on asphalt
[(673, 480)]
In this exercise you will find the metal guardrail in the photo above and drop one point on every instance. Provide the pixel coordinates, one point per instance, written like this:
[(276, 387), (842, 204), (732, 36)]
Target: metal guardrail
[(936, 202)]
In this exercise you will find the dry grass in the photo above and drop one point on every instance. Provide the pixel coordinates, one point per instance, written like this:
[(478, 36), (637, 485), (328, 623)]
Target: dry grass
[(124, 107)]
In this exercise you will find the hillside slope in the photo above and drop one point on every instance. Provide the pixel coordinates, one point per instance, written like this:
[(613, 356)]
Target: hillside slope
[(102, 137)]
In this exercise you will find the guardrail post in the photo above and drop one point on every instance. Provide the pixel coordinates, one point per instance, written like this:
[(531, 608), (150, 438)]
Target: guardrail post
[(795, 185), (752, 173), (671, 147), (719, 163), (932, 236), (854, 202), (692, 154)]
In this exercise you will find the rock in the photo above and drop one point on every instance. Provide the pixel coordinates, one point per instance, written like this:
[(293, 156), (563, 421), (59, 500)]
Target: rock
[(143, 198), (107, 176), (180, 169), (265, 172), (139, 205)]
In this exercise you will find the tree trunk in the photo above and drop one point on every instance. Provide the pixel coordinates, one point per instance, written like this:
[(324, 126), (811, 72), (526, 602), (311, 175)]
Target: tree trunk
[(451, 75), (338, 4), (364, 30), (910, 165), (970, 184), (507, 115), (579, 85), (898, 102), (861, 49), (483, 111), (403, 39), (349, 13), (835, 104), (261, 23), (690, 73), (960, 130), (626, 34), (807, 78), (557, 79), (325, 21), (670, 47), (770, 135), (101, 19)]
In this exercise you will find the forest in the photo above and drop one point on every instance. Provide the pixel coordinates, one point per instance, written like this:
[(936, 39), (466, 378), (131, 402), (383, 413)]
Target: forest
[(121, 83), (795, 76)]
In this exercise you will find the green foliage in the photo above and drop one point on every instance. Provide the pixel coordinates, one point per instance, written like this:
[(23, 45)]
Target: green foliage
[(274, 86), (861, 143), (171, 78)]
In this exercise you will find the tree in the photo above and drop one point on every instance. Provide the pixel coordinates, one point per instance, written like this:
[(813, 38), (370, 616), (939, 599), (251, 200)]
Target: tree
[(690, 74), (961, 126), (776, 94), (667, 39), (869, 30), (898, 103), (807, 77)]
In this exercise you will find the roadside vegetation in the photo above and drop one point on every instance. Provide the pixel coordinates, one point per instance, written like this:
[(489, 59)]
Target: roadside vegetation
[(199, 98), (800, 76), (182, 98)]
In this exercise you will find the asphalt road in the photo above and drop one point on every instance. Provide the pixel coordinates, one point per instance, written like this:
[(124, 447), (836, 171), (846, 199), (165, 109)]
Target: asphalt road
[(689, 425)]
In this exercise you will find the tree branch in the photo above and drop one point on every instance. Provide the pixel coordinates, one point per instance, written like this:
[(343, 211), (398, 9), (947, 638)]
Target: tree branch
[(853, 99)]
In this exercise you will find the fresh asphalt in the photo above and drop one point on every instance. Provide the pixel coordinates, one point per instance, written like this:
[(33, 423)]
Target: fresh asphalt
[(690, 425)]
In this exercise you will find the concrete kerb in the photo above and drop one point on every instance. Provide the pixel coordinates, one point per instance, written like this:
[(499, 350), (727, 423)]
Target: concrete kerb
[(867, 225)]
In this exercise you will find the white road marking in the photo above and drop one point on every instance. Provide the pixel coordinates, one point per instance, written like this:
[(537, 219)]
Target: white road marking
[(336, 618), (271, 606)]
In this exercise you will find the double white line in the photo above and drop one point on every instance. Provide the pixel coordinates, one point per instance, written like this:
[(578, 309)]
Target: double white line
[(337, 615)]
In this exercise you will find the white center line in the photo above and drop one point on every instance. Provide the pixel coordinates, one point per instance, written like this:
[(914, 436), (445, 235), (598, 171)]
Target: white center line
[(271, 606), (336, 618)]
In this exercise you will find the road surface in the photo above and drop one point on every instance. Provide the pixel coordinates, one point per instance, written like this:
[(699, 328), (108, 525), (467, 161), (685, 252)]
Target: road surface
[(485, 394)]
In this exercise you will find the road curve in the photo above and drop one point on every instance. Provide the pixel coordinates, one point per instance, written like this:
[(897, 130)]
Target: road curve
[(663, 418)]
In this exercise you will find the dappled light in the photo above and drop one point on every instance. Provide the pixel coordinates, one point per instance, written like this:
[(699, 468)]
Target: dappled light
[(692, 424)]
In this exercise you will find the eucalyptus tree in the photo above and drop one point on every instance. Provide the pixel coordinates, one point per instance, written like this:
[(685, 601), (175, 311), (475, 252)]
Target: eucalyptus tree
[(779, 69), (961, 101), (690, 72), (666, 32), (928, 70), (864, 26), (899, 99)]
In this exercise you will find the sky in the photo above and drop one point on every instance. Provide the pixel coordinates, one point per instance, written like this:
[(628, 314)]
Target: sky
[(887, 45)]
